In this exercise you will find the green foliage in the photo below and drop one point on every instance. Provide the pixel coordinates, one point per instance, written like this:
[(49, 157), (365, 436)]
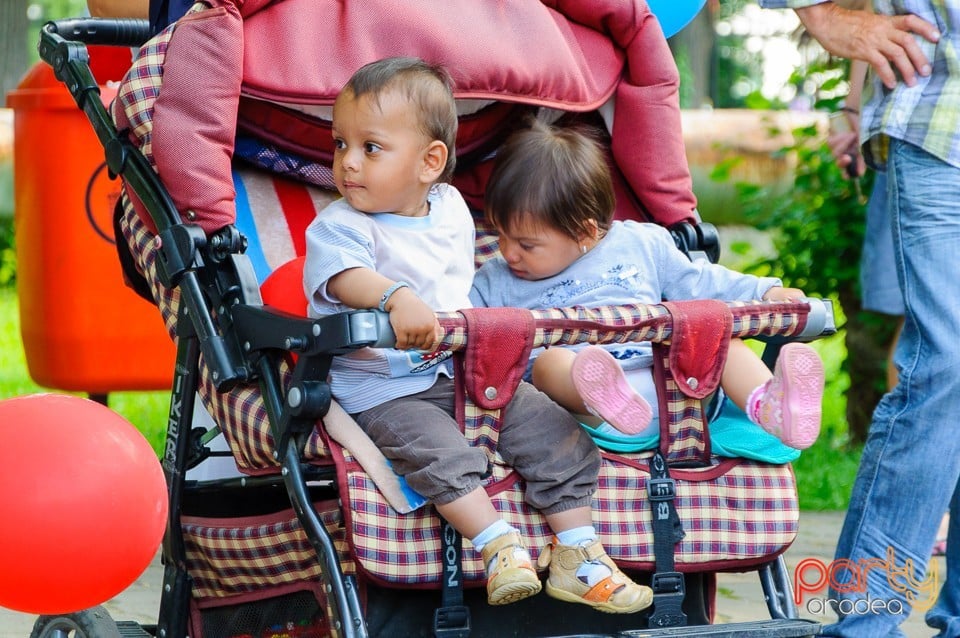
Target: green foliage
[(8, 260), (737, 70), (817, 229), (824, 79), (682, 59), (145, 410), (40, 12), (817, 226)]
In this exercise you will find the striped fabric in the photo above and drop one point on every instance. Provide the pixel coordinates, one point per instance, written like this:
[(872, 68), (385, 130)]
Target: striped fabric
[(486, 239), (273, 213)]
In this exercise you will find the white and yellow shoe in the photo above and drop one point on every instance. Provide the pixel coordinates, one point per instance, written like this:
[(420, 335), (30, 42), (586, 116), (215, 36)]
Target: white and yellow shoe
[(510, 573), (609, 589)]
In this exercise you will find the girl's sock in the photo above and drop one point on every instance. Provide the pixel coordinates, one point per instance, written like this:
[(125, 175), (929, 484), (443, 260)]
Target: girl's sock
[(589, 572), (577, 535), (753, 402)]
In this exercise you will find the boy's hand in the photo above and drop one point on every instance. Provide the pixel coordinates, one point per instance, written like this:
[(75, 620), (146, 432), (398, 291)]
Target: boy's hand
[(413, 322), (779, 293)]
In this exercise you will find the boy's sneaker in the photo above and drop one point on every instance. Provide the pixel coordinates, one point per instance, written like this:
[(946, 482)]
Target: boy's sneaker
[(510, 573), (790, 407), (605, 391), (599, 584)]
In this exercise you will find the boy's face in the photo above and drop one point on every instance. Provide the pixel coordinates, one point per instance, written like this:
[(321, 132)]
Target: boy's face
[(535, 251), (380, 152)]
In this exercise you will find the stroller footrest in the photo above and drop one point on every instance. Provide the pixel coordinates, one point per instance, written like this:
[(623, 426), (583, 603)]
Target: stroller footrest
[(794, 628), (130, 629)]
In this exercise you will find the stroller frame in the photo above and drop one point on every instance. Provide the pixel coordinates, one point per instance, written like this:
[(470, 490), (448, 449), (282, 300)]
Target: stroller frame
[(244, 342)]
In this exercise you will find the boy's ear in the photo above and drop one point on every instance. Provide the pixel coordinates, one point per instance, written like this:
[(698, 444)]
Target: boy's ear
[(434, 161)]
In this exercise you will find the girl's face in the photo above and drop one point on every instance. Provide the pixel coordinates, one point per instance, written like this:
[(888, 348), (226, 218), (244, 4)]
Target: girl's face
[(380, 154), (535, 251)]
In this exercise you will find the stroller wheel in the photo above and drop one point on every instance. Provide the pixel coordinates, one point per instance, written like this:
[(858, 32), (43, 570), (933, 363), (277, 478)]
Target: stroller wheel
[(89, 623)]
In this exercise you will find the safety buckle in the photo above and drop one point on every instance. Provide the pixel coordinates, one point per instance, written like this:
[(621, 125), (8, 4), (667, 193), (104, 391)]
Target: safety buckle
[(452, 621), (661, 489), (668, 594)]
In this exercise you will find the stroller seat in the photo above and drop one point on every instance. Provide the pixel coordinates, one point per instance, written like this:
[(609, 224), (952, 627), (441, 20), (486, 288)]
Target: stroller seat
[(736, 514), (676, 514)]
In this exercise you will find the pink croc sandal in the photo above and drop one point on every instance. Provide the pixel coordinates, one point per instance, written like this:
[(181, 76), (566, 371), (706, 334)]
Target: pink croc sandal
[(605, 391), (790, 407)]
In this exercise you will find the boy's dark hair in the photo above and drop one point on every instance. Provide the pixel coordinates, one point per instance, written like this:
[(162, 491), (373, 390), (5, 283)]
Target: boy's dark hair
[(428, 86), (554, 176)]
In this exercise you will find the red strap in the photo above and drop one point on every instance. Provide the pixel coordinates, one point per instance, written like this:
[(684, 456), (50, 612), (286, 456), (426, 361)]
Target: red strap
[(499, 341), (699, 343)]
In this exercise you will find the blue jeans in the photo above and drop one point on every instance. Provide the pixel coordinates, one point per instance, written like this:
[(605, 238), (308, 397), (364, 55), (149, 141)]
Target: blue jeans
[(911, 461), (879, 287)]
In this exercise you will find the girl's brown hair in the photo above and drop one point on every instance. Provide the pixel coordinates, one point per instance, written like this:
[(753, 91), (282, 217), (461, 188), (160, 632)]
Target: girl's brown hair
[(555, 176)]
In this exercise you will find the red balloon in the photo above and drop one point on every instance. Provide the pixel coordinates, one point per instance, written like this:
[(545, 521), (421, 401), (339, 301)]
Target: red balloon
[(83, 504)]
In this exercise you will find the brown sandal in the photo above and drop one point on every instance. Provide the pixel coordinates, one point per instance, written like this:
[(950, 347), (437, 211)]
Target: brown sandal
[(511, 576), (615, 594)]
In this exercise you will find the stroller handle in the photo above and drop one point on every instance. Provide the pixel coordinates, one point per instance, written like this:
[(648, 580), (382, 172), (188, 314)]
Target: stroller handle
[(372, 327), (820, 320), (129, 32)]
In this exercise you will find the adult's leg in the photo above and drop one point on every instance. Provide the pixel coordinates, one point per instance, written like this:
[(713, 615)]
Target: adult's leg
[(911, 459), (945, 615)]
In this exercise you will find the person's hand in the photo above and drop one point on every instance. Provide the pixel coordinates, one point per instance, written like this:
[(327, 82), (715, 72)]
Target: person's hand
[(414, 323), (847, 154), (843, 140), (886, 43), (779, 293)]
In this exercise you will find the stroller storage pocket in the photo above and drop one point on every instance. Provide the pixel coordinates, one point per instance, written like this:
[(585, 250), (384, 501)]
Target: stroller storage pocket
[(258, 576), (294, 612)]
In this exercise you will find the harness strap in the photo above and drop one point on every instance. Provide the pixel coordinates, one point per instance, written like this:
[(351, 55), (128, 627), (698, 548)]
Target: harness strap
[(668, 584), (452, 618)]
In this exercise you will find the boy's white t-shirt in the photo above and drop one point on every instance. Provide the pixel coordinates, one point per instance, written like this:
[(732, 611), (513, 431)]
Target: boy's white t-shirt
[(434, 254)]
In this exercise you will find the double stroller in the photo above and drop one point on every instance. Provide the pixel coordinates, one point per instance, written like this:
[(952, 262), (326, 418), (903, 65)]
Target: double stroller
[(220, 132)]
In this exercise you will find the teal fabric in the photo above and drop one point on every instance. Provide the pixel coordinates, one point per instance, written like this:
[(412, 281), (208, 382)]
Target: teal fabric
[(732, 435)]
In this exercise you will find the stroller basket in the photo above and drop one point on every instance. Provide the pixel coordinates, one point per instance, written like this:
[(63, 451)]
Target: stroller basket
[(308, 528)]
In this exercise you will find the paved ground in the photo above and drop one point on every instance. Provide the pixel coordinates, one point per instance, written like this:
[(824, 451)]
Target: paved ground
[(740, 597)]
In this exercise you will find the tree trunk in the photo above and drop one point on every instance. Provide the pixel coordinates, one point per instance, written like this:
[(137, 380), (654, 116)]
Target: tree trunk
[(693, 49), (13, 44)]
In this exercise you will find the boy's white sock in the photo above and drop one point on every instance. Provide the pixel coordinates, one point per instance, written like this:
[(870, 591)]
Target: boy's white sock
[(494, 530)]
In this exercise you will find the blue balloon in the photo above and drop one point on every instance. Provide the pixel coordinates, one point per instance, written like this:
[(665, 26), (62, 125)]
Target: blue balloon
[(673, 15)]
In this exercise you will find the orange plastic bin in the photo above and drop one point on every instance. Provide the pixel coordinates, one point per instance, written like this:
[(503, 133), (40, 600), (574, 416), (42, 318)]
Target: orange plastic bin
[(82, 328)]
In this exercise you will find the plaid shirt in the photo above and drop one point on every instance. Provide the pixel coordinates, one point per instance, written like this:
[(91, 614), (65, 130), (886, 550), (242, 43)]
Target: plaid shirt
[(925, 115)]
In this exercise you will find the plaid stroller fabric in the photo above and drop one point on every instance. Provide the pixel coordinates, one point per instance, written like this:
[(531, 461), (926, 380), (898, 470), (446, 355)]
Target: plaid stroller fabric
[(736, 513)]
